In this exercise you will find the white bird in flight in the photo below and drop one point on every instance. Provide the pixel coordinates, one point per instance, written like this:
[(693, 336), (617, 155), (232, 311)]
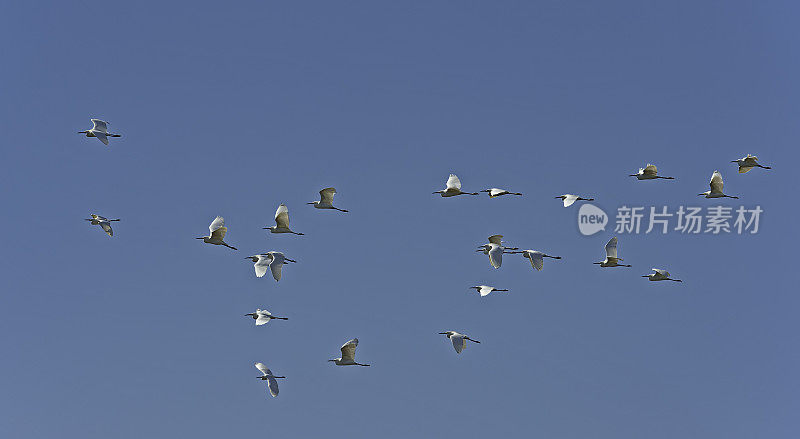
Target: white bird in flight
[(747, 163), (453, 188), (485, 290), (262, 316), (649, 172), (459, 340), (103, 222), (348, 355), (496, 192), (216, 233), (267, 376), (536, 258), (495, 250), (569, 199), (272, 260), (99, 130), (660, 274), (281, 221), (716, 187), (611, 255), (326, 200)]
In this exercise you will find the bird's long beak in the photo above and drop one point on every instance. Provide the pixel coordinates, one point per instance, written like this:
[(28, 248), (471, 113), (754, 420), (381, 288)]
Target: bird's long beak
[(310, 203), (645, 275), (734, 161), (202, 237), (443, 333)]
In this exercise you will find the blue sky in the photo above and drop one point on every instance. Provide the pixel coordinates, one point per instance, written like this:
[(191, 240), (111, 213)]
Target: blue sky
[(230, 109)]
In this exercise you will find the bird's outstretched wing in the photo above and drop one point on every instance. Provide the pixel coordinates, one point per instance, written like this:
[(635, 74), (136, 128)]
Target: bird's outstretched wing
[(282, 216), (716, 182), (496, 239), (453, 182), (569, 199), (326, 195), (661, 271), (102, 137), (650, 169), (263, 317), (751, 159), (99, 125), (537, 260), (107, 228), (262, 264), (263, 368), (272, 383), (496, 256), (458, 342), (220, 233), (611, 248), (349, 350), (485, 290), (276, 265), (216, 224)]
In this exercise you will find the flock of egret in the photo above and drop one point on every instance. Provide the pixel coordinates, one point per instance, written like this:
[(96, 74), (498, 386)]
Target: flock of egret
[(494, 249)]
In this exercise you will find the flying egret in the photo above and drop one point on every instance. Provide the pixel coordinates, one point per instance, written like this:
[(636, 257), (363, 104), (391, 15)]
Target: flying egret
[(495, 250), (348, 355), (649, 172), (281, 221), (660, 274), (274, 260), (326, 200), (216, 233), (611, 255), (262, 316), (716, 187), (569, 199), (105, 223), (484, 290), (459, 340), (747, 163), (267, 376), (453, 188), (99, 130), (536, 258), (496, 192)]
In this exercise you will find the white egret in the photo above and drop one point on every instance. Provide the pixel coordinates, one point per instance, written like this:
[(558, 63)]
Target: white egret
[(536, 258), (660, 274), (611, 255), (495, 250), (348, 355), (496, 192), (569, 199), (262, 316), (716, 187), (326, 200), (267, 376), (103, 222), (274, 260), (747, 163), (281, 221), (649, 172), (485, 290), (99, 130), (216, 233), (453, 188), (459, 340)]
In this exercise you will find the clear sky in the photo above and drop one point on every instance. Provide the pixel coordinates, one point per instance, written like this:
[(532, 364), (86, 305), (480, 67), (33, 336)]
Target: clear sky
[(230, 108)]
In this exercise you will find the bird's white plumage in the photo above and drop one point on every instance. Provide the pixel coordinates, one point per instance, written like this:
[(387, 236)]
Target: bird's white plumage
[(716, 183), (282, 216), (661, 272), (569, 199), (536, 258), (263, 368), (262, 264), (326, 195), (272, 383), (99, 126), (496, 255), (349, 350), (107, 228), (496, 239), (453, 182), (611, 248), (458, 342)]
